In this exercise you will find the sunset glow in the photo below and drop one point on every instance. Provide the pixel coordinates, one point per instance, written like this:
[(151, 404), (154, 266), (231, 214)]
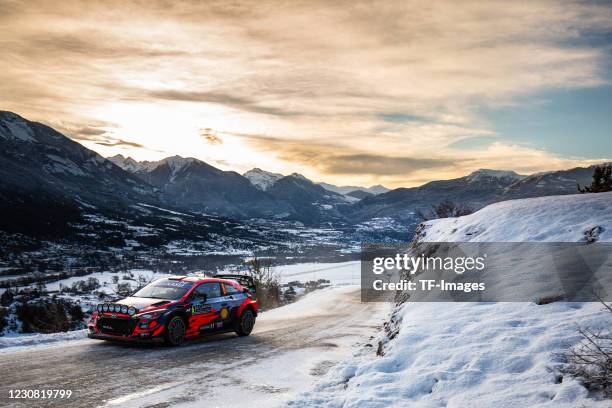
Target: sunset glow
[(397, 93)]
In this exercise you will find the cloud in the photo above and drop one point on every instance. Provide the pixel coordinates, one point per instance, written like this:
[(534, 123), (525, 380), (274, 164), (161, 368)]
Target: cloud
[(119, 142), (399, 168), (379, 91), (222, 98), (92, 130), (371, 164), (97, 132), (333, 159), (211, 136)]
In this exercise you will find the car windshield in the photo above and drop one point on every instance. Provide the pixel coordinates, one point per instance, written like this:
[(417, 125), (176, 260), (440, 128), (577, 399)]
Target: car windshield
[(164, 289)]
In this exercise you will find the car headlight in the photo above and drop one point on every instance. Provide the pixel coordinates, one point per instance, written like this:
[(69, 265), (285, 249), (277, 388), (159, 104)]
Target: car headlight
[(105, 308), (99, 307), (124, 309), (131, 310), (117, 308), (152, 315)]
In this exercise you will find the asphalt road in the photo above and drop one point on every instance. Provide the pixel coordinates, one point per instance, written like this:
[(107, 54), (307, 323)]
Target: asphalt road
[(285, 353)]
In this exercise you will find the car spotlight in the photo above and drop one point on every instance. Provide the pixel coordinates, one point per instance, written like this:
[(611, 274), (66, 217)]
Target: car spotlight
[(131, 310), (116, 308), (105, 307), (124, 309), (99, 307)]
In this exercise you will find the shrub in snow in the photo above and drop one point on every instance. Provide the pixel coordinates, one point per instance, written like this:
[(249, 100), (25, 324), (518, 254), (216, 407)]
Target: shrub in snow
[(591, 359), (602, 180), (267, 283), (49, 316), (445, 209)]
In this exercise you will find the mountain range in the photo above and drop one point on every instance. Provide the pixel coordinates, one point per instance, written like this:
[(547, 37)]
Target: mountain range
[(47, 181), (264, 180), (199, 187), (47, 178)]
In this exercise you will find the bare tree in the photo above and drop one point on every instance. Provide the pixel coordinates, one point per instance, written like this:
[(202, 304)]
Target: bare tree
[(266, 282), (591, 358), (142, 281), (445, 209)]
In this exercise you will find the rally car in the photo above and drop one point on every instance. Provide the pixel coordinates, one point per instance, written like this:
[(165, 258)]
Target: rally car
[(176, 308)]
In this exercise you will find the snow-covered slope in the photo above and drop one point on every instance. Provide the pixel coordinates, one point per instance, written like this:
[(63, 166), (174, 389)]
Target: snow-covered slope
[(544, 219), (175, 163), (262, 179), (499, 174), (481, 354)]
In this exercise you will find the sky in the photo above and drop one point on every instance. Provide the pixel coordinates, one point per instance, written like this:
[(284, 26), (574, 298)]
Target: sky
[(347, 92)]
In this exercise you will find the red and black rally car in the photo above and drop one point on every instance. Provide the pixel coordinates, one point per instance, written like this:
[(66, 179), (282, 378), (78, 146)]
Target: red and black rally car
[(177, 308)]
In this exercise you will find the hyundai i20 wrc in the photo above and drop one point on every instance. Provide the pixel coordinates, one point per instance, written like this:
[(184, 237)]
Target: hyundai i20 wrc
[(176, 308)]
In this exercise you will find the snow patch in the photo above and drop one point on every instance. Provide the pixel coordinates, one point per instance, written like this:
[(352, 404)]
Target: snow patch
[(262, 179)]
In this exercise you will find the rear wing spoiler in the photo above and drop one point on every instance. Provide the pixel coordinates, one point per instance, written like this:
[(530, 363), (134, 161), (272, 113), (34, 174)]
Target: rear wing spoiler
[(246, 282)]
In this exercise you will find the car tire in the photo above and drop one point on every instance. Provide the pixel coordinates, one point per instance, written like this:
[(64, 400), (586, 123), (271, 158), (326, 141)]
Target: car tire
[(245, 323), (174, 335)]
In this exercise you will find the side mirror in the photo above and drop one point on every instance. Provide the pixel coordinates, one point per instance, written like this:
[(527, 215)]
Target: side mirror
[(202, 297)]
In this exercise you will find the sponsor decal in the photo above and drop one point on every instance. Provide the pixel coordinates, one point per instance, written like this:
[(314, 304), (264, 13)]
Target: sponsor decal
[(224, 313), (211, 326), (200, 309)]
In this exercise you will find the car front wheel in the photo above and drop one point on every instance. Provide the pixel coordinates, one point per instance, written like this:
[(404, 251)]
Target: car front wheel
[(175, 331), (246, 322)]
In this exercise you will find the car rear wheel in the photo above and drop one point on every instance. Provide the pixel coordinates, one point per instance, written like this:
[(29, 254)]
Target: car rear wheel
[(175, 331), (245, 323)]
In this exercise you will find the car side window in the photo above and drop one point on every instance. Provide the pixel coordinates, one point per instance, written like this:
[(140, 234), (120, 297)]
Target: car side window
[(211, 290), (230, 289)]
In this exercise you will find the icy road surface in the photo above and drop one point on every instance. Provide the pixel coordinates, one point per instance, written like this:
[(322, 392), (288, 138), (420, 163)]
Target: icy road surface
[(289, 349)]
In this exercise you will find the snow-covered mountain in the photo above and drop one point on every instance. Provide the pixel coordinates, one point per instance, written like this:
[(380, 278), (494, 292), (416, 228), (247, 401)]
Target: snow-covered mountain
[(262, 179), (506, 176), (174, 163), (46, 179), (195, 185), (550, 183), (310, 200), (475, 190), (498, 354)]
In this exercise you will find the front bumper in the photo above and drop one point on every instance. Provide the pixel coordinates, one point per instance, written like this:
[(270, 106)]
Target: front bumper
[(125, 339), (123, 329)]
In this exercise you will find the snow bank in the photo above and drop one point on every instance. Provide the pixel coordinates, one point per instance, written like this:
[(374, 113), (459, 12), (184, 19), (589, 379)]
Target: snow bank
[(545, 219), (481, 354), (23, 340)]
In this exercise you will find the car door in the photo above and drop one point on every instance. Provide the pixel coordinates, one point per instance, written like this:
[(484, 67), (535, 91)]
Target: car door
[(234, 298), (205, 307)]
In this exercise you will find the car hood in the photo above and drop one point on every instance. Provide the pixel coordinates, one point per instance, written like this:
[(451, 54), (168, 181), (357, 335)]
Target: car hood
[(144, 303)]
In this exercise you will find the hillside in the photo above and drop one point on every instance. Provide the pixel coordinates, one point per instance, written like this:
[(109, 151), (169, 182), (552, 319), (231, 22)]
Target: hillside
[(47, 180), (499, 354), (542, 219), (475, 190), (194, 185)]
